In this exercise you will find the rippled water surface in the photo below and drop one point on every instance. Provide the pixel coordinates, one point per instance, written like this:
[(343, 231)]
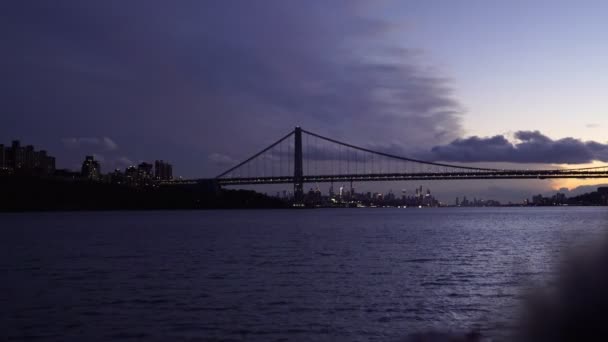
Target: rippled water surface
[(298, 275)]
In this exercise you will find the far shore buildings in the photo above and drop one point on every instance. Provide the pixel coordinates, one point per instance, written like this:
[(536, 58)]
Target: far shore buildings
[(16, 159), (20, 159), (90, 168), (163, 170), (144, 174)]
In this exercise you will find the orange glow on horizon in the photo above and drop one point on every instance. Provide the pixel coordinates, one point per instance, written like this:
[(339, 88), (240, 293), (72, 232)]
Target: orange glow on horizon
[(572, 183)]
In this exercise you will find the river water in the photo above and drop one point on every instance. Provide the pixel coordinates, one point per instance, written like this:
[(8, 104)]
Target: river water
[(297, 275)]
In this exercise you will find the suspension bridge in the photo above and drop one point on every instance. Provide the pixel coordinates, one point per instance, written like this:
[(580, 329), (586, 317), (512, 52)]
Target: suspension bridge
[(302, 157)]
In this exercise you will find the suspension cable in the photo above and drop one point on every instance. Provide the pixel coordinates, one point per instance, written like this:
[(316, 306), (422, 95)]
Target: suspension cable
[(397, 157), (256, 155)]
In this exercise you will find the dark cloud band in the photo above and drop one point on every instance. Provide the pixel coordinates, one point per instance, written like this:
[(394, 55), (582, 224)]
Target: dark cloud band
[(529, 147), (214, 78)]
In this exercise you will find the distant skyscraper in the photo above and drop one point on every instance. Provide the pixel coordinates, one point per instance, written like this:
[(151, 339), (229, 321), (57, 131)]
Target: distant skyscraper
[(117, 177), (144, 170), (90, 168), (44, 162), (2, 157), (131, 172), (50, 164), (28, 157), (131, 175), (18, 155), (163, 170), (158, 169)]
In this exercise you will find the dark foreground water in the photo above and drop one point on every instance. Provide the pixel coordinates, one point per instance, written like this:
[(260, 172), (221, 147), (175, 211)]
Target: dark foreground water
[(302, 275)]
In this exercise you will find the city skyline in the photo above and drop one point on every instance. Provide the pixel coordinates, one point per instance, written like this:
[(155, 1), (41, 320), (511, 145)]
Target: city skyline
[(25, 160), (163, 171), (211, 87)]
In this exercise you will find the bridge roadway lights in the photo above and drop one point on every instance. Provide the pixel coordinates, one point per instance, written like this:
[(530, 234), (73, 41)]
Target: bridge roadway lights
[(548, 174)]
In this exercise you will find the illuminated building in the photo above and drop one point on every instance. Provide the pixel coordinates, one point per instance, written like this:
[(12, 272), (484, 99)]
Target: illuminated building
[(25, 160), (90, 168)]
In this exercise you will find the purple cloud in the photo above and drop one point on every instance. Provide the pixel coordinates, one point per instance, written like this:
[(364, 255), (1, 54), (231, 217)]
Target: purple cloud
[(529, 147)]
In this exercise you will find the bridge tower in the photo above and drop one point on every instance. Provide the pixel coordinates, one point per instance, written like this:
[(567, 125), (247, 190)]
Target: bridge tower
[(298, 169)]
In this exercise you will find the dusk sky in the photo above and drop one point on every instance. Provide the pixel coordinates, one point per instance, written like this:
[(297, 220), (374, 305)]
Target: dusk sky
[(204, 84)]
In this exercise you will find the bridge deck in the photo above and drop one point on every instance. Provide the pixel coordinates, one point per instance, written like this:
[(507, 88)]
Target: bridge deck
[(518, 174)]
